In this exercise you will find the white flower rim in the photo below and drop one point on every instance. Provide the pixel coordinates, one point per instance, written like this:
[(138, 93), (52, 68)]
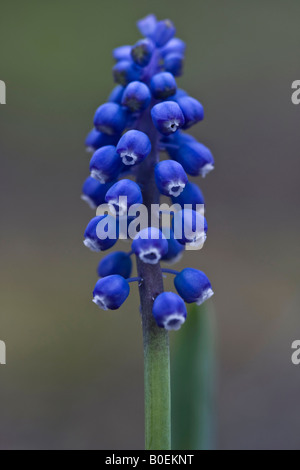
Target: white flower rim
[(175, 184), (207, 294), (172, 125), (177, 317), (100, 300), (198, 241), (132, 155), (99, 176), (91, 244), (121, 205), (143, 256), (89, 201), (206, 169)]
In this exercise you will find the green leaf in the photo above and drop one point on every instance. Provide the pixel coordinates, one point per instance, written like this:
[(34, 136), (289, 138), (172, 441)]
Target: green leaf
[(193, 381)]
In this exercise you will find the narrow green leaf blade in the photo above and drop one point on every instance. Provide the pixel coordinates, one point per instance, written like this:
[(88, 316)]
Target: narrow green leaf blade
[(193, 381)]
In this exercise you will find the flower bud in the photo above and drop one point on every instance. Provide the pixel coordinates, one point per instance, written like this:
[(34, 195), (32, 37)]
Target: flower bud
[(150, 245), (115, 263), (191, 195), (164, 31), (174, 46), (93, 192), (192, 110), (169, 311), (111, 292), (167, 117), (174, 64), (126, 71), (163, 85), (193, 286), (190, 227), (96, 139), (110, 118), (133, 147), (91, 238), (175, 249), (195, 158), (123, 195), (105, 164), (136, 97), (122, 53), (147, 25), (142, 51), (116, 95), (170, 178)]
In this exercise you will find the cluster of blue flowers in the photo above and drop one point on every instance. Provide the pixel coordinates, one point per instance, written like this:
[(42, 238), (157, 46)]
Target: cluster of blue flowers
[(146, 92)]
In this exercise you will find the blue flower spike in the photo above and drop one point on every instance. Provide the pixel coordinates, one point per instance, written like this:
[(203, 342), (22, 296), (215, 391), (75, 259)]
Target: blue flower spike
[(133, 147), (117, 262), (169, 311), (170, 178), (163, 85), (122, 195), (111, 292), (136, 97), (150, 245), (105, 164), (145, 114), (167, 117), (193, 286)]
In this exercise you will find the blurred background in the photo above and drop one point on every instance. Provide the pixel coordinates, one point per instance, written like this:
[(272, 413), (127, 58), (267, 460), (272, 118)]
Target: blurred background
[(74, 374)]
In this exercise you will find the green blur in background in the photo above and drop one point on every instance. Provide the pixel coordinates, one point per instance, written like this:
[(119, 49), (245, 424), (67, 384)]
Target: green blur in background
[(74, 374)]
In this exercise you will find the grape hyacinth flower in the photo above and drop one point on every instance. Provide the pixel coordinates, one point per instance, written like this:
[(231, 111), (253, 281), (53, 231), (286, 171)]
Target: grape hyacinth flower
[(117, 262), (150, 245), (147, 114), (136, 97), (170, 178), (193, 286), (105, 164), (167, 117), (122, 195), (169, 311), (133, 147), (111, 292)]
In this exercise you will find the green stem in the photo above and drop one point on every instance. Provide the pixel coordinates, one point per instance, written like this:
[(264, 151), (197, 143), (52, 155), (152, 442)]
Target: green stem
[(156, 340), (157, 390)]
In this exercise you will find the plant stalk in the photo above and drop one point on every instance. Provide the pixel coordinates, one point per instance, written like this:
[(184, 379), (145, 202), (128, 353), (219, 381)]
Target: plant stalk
[(156, 340)]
